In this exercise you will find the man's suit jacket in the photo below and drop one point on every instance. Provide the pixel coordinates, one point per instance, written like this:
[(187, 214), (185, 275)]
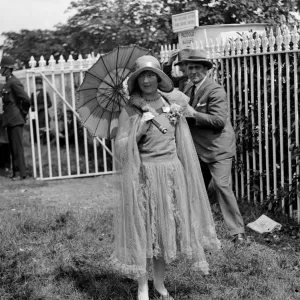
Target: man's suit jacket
[(41, 107), (14, 98), (213, 135)]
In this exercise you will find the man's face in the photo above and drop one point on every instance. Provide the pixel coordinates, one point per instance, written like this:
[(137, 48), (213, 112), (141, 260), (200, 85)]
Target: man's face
[(39, 86), (196, 71), (182, 68)]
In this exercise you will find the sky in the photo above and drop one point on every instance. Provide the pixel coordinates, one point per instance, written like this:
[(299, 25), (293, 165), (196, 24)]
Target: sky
[(32, 14)]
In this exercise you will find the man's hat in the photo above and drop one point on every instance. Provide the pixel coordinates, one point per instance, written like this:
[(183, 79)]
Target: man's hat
[(7, 62), (198, 56), (182, 54), (149, 63), (38, 80)]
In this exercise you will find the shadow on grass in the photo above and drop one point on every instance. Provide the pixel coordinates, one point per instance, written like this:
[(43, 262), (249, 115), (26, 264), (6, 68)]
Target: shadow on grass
[(97, 284), (48, 253)]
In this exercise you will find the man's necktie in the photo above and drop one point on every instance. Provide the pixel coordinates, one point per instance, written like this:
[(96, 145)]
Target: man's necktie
[(192, 96), (191, 121)]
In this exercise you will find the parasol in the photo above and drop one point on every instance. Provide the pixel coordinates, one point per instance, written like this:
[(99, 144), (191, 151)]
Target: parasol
[(103, 92)]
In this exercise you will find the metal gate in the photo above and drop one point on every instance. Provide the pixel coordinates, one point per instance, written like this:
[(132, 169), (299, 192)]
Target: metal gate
[(61, 147)]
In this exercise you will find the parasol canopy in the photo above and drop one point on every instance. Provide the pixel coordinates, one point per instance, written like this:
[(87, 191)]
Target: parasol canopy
[(103, 92)]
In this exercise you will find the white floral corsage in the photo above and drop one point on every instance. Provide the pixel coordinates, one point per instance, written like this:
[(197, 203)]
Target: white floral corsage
[(173, 113)]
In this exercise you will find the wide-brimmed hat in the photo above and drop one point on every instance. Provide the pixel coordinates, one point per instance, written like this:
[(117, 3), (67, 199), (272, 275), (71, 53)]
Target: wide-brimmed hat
[(198, 56), (149, 63), (182, 54)]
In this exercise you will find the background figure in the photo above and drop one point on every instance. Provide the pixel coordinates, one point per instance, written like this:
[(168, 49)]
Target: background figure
[(214, 137), (16, 104), (163, 208), (179, 81), (41, 110), (70, 128), (4, 145)]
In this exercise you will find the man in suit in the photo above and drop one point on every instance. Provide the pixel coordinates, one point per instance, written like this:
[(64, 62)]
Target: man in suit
[(214, 137), (16, 104), (179, 81), (4, 146)]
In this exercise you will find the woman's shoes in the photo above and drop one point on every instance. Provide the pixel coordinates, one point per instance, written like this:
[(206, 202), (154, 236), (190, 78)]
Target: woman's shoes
[(164, 297), (142, 296)]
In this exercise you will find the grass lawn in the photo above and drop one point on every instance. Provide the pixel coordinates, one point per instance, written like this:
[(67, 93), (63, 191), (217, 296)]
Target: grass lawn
[(55, 238)]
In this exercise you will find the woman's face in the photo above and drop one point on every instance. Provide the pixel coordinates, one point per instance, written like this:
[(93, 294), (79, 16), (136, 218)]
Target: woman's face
[(148, 82)]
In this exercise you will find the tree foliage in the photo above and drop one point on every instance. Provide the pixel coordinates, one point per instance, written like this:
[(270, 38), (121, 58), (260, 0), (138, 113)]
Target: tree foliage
[(99, 26)]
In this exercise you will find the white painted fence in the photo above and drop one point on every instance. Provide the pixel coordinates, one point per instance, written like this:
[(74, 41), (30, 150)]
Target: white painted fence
[(261, 77), (64, 149)]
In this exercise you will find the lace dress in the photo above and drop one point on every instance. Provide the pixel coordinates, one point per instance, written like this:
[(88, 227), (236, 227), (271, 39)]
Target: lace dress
[(164, 189)]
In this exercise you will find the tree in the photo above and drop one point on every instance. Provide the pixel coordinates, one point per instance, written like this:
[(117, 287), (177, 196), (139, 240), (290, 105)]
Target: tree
[(148, 22), (34, 43), (100, 25)]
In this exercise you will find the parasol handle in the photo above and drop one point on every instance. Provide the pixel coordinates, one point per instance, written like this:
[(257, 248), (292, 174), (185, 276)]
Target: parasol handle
[(159, 127), (154, 122)]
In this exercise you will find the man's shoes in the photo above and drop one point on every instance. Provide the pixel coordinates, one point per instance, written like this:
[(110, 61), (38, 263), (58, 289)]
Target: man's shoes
[(238, 239), (17, 178)]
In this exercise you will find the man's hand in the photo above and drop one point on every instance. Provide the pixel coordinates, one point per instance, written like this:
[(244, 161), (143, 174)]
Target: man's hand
[(189, 112), (172, 58)]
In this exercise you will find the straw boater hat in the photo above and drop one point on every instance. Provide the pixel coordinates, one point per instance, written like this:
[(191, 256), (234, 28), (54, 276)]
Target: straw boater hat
[(182, 54), (198, 56), (149, 63)]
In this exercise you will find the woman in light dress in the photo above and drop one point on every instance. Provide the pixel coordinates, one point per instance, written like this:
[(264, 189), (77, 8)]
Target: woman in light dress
[(163, 209)]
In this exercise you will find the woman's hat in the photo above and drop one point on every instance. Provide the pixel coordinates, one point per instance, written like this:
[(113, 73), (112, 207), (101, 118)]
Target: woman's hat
[(149, 63), (198, 56), (182, 54)]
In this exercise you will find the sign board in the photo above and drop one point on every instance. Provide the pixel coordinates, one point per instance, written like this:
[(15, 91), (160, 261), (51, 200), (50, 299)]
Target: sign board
[(185, 38), (206, 33), (185, 21)]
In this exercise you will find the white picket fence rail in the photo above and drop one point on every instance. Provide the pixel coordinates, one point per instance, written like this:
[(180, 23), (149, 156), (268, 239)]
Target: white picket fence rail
[(64, 149), (261, 77)]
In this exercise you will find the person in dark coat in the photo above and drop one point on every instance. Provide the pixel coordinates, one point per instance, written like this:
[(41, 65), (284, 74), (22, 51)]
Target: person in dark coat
[(4, 145), (178, 81), (16, 104), (41, 110), (214, 138)]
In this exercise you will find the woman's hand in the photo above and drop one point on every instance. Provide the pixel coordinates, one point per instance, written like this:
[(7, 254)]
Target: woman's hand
[(144, 122)]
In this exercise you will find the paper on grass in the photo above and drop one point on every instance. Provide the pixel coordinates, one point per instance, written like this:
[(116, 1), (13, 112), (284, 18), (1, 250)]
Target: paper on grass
[(264, 224)]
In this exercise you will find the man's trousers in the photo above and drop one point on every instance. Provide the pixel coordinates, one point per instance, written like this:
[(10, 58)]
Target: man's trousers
[(15, 138), (217, 178)]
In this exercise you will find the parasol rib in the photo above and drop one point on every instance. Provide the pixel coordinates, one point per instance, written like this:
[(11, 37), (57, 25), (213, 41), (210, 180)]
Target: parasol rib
[(102, 80), (128, 60)]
